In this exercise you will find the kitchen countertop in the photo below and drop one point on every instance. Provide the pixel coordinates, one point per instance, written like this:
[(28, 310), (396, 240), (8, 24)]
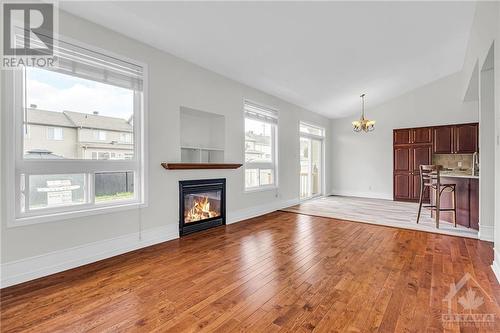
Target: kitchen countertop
[(458, 174)]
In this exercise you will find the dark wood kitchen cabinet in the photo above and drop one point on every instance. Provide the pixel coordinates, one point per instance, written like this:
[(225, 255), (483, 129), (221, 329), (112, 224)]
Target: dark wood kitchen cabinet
[(422, 135), (402, 187), (402, 173), (415, 146), (401, 137), (474, 203), (412, 135), (407, 161), (421, 155), (402, 159), (456, 139), (443, 140), (467, 203), (466, 138)]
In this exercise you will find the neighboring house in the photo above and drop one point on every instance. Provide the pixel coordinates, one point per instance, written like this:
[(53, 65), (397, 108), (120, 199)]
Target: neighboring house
[(70, 134), (257, 147)]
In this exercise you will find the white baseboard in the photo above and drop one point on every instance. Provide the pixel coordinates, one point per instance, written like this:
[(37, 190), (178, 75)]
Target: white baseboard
[(496, 264), (486, 232), (247, 213), (42, 265), (359, 194)]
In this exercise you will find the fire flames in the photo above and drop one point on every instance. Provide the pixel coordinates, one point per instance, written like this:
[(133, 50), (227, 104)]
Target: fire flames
[(199, 211)]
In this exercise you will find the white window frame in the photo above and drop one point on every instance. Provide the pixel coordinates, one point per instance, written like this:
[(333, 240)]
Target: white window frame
[(273, 165), (314, 136), (27, 132), (321, 138), (16, 165), (100, 135), (125, 137)]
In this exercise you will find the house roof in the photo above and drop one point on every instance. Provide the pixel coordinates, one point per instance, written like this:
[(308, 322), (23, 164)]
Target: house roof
[(77, 120), (44, 117), (44, 154), (86, 120)]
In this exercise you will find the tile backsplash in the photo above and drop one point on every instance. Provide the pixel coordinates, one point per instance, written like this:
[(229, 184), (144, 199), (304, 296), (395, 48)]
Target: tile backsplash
[(451, 161)]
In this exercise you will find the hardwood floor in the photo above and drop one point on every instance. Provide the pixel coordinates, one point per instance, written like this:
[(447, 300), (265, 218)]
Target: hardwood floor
[(280, 272)]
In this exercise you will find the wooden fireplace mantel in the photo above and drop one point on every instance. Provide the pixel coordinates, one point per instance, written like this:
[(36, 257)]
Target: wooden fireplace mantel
[(195, 166)]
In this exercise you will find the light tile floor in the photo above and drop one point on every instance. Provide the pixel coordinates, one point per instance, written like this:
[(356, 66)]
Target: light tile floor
[(378, 211)]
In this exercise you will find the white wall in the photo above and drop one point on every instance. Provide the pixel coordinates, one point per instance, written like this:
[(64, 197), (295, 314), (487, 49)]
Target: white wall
[(201, 129), (496, 263), (362, 162), (483, 33), (487, 154), (172, 83), (485, 30)]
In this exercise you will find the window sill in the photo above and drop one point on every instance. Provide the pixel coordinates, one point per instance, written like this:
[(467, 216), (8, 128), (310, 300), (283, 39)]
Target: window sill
[(261, 189), (23, 221)]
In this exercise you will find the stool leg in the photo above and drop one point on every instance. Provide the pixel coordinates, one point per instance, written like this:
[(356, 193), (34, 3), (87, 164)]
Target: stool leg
[(438, 202), (420, 200), (454, 203)]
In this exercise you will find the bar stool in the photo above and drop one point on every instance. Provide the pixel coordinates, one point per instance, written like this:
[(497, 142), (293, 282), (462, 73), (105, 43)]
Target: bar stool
[(430, 177)]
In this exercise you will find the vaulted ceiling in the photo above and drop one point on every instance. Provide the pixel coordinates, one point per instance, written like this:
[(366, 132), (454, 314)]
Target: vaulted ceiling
[(319, 55)]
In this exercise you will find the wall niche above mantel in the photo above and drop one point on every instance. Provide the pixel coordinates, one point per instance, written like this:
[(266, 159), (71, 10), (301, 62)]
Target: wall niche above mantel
[(202, 136)]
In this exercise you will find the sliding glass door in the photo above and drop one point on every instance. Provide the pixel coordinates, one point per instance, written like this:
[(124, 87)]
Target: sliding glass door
[(311, 161)]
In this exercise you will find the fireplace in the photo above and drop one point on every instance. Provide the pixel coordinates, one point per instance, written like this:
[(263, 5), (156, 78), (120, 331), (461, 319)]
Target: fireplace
[(202, 204)]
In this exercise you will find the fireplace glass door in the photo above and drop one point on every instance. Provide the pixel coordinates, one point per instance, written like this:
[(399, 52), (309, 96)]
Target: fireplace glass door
[(202, 206)]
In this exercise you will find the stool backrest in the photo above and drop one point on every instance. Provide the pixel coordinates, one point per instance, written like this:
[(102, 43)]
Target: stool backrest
[(429, 174)]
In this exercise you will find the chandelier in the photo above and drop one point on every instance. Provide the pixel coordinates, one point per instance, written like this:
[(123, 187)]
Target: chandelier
[(363, 124)]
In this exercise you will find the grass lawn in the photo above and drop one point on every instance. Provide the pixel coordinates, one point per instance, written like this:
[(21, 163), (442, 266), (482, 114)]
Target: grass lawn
[(112, 197)]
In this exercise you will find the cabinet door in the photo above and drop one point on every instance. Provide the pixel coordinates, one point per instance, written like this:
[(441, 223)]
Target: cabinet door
[(443, 140), (402, 159), (420, 155), (402, 173), (474, 203), (466, 140), (416, 189), (422, 135), (402, 186), (462, 200), (402, 136)]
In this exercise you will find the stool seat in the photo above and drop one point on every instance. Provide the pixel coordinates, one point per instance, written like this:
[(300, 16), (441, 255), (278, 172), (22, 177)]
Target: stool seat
[(430, 178)]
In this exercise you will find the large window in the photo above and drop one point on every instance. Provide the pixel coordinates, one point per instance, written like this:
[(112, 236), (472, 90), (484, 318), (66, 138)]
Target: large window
[(80, 129), (260, 146)]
